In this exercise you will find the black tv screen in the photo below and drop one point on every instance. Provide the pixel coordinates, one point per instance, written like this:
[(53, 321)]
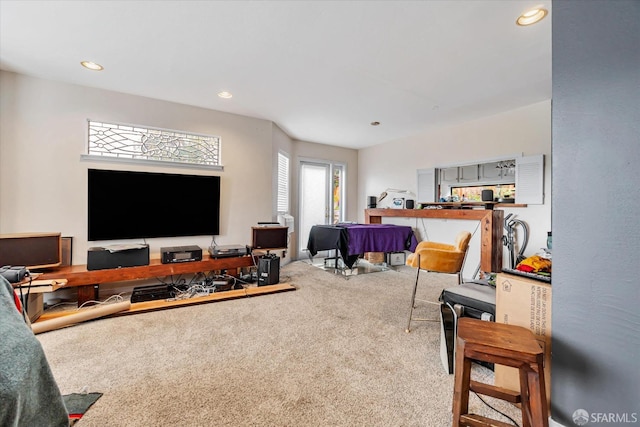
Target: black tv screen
[(133, 205)]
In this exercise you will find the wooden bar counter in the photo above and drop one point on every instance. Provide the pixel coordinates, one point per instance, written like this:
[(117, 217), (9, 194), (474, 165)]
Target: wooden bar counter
[(491, 223)]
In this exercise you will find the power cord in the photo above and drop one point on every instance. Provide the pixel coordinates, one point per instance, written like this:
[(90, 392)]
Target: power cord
[(24, 301), (112, 298), (498, 411)]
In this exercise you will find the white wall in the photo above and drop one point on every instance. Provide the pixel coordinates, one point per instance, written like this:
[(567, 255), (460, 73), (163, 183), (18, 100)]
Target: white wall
[(525, 131), (282, 143), (43, 181)]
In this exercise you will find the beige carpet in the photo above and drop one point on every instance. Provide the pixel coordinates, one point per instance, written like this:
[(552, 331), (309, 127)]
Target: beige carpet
[(331, 353)]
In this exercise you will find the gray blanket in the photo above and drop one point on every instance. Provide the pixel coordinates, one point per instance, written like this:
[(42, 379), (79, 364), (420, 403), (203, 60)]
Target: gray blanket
[(29, 395)]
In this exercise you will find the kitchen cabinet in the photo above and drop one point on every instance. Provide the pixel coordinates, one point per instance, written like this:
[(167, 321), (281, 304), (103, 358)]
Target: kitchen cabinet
[(468, 173), (449, 174), (490, 171)]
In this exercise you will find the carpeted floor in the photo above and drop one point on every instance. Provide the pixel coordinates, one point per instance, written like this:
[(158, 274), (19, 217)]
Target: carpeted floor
[(331, 353)]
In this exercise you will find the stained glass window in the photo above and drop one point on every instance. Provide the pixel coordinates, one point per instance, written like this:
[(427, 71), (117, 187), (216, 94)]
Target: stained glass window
[(143, 143)]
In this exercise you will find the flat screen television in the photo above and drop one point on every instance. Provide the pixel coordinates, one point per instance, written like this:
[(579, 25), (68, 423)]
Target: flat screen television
[(133, 205)]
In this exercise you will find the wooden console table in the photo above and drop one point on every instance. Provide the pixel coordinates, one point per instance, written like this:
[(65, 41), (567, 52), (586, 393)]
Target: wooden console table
[(491, 221), (88, 281)]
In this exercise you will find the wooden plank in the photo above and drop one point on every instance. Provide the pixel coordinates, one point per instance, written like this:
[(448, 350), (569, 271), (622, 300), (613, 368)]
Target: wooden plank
[(42, 286), (216, 296), (474, 214), (474, 420), (494, 391), (78, 275), (142, 307)]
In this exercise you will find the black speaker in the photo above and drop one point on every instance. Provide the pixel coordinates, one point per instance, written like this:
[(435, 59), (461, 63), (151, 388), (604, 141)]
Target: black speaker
[(408, 204), (268, 270), (373, 200), (487, 195), (101, 258)]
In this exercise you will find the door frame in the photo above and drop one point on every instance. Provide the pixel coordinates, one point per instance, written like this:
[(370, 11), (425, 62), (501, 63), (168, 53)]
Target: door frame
[(331, 165)]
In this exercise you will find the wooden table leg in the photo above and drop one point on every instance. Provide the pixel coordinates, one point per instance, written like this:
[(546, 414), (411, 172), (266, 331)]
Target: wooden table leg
[(88, 293)]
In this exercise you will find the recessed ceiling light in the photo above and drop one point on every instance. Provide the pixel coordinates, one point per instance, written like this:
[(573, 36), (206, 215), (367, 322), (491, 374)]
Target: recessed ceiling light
[(92, 66), (225, 95), (532, 16), (375, 123)]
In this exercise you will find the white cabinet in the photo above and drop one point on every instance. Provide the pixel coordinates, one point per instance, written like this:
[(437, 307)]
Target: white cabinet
[(490, 171), (498, 172), (427, 185), (530, 180), (468, 173), (449, 174)]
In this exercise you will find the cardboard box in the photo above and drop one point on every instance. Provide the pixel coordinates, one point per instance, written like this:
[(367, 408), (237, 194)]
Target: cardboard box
[(524, 302), (34, 304), (374, 257)]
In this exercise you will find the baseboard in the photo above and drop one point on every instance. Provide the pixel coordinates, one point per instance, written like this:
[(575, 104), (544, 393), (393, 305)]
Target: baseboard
[(553, 423)]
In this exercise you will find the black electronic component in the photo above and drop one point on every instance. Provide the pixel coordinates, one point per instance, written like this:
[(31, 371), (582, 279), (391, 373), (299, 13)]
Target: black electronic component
[(151, 293), (13, 274), (102, 258), (180, 254), (224, 251), (268, 270)]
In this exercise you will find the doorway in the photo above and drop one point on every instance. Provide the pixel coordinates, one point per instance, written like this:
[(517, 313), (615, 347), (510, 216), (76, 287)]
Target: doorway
[(321, 199)]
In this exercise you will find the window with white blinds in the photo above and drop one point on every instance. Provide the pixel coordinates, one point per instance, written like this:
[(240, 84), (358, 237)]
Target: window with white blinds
[(283, 183)]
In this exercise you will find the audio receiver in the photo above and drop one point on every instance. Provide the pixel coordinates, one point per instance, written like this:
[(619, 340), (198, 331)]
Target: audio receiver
[(173, 254)]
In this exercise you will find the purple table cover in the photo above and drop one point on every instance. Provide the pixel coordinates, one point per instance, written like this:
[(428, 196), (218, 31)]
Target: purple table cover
[(380, 238)]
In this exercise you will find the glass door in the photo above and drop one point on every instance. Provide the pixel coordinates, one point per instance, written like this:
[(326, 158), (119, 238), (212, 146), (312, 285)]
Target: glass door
[(321, 198)]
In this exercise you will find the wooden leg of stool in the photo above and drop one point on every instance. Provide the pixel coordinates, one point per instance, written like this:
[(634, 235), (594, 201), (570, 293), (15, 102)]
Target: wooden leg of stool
[(461, 384), (524, 397), (538, 397)]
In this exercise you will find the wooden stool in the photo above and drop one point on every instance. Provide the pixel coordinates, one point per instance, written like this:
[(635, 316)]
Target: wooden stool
[(507, 345)]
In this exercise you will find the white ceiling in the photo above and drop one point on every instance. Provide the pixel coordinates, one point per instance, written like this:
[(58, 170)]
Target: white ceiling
[(321, 70)]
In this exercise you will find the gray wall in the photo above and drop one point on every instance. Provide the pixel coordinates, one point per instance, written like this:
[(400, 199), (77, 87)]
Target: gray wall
[(596, 202)]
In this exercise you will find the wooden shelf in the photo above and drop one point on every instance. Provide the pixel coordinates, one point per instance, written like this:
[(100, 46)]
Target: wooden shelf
[(473, 205), (87, 281)]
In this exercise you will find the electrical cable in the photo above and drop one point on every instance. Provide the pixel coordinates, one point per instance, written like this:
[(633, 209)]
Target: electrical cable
[(24, 301), (496, 410), (59, 304), (117, 298), (424, 227)]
